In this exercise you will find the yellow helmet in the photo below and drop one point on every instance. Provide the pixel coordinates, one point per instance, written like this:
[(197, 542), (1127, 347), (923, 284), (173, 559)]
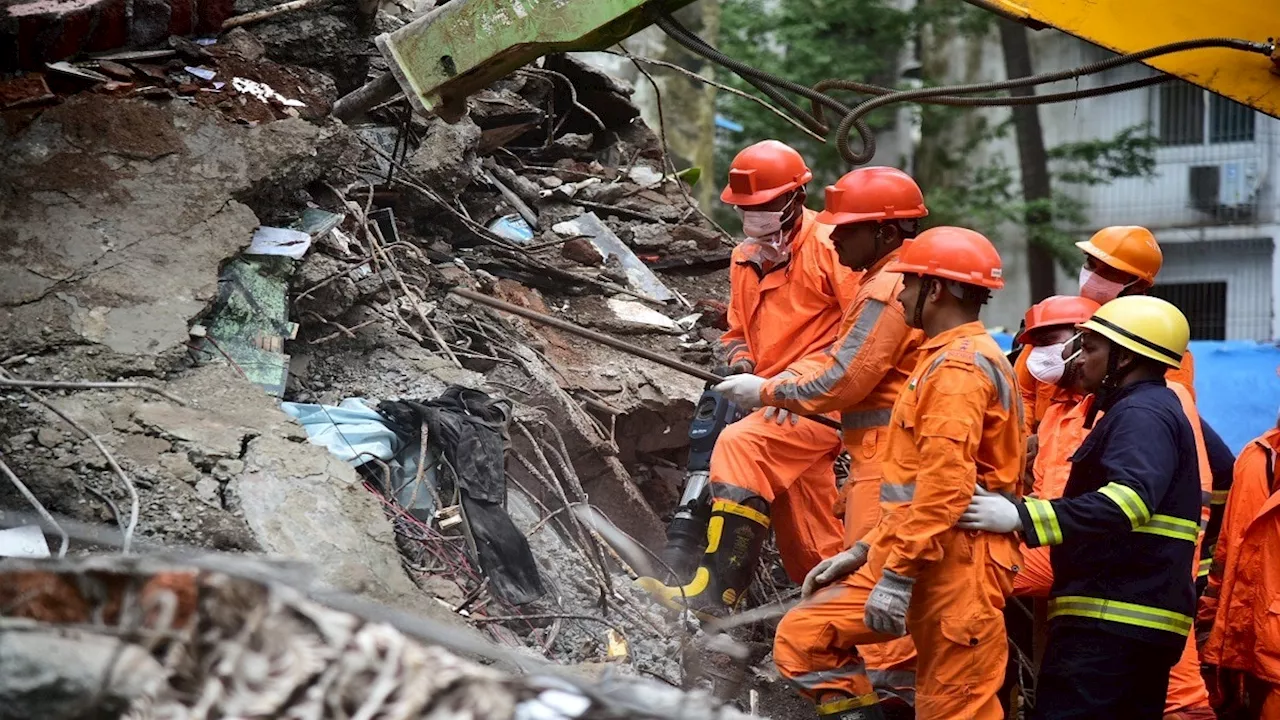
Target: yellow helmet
[(1148, 326)]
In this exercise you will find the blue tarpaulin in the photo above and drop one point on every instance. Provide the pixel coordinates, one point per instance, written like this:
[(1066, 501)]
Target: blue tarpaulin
[(1237, 389)]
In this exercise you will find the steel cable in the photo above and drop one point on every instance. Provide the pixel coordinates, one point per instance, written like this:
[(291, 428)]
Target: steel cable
[(854, 119)]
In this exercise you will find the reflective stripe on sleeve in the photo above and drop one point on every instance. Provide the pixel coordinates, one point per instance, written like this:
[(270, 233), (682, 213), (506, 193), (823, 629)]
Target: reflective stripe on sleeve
[(1044, 521), (1129, 501), (1171, 527)]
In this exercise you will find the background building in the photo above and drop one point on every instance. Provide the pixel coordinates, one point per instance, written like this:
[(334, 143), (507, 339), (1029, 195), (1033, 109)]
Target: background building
[(1211, 199)]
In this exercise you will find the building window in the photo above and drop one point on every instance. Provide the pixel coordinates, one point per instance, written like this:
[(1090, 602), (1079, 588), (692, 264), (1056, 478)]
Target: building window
[(1229, 121), (1181, 114), (1204, 304), (1187, 111)]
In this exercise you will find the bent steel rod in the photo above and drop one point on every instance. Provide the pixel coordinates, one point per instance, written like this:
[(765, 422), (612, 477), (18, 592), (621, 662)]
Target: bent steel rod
[(603, 339)]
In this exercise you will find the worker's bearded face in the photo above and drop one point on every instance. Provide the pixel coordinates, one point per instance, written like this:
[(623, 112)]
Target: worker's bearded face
[(915, 299), (855, 243)]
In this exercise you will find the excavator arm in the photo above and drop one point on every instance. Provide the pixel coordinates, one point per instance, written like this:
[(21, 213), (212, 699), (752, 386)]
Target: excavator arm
[(1126, 26), (465, 45)]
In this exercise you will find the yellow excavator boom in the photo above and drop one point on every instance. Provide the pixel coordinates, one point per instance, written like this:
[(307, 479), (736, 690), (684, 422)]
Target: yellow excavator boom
[(1126, 26)]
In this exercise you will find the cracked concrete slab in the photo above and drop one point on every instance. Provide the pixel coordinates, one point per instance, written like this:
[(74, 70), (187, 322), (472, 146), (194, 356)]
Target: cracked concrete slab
[(115, 216)]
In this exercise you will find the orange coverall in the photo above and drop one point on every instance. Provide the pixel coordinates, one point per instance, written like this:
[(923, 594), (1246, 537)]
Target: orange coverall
[(1061, 432), (777, 318), (861, 375), (1244, 585), (956, 424)]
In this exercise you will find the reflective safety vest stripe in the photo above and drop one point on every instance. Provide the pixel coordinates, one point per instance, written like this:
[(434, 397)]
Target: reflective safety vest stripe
[(1121, 612)]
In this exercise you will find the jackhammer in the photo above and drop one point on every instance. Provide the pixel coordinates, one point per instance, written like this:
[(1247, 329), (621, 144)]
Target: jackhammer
[(687, 533)]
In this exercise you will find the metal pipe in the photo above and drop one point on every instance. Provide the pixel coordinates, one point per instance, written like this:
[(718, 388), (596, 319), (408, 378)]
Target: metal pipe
[(603, 339), (360, 100)]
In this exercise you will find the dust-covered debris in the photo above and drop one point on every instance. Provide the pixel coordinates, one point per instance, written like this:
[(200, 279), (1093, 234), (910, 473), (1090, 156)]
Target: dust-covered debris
[(133, 194)]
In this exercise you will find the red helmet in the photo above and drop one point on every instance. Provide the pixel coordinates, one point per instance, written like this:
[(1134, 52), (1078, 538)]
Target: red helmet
[(1069, 310), (763, 172), (951, 253), (872, 193)]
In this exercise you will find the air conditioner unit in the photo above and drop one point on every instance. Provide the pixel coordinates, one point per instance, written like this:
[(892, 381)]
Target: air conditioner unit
[(1239, 183), (1226, 190)]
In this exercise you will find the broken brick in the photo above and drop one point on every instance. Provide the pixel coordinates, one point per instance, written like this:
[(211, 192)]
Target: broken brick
[(115, 70), (43, 31), (24, 90), (714, 313), (581, 251)]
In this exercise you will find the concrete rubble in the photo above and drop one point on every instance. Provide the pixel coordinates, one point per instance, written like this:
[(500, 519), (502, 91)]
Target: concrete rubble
[(123, 202)]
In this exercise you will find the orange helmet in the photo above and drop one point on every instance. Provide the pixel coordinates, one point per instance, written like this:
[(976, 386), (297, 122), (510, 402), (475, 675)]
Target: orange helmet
[(764, 171), (1069, 310), (1129, 248), (872, 193), (951, 253)]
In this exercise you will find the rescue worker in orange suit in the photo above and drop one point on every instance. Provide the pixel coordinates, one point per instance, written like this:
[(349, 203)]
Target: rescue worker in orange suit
[(1243, 648), (874, 210), (1049, 329), (1050, 336), (1118, 261), (788, 292), (1124, 533), (955, 426)]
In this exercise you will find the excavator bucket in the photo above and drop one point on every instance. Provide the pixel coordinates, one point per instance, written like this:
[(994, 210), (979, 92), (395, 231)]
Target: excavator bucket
[(464, 46), (1126, 26)]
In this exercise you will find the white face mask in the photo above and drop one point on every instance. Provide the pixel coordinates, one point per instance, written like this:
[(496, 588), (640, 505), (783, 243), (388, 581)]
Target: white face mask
[(767, 242), (1045, 363), (761, 224), (1099, 289)]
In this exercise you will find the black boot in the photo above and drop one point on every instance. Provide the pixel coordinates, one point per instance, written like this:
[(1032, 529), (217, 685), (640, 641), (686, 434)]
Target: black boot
[(735, 538)]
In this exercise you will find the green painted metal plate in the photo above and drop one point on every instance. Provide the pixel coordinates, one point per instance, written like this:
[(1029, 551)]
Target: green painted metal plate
[(466, 45)]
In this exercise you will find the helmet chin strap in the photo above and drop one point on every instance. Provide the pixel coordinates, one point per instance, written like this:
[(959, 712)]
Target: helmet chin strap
[(789, 224), (926, 286), (1110, 384)]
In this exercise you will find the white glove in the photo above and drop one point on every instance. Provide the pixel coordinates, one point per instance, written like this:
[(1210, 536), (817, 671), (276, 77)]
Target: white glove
[(991, 512), (834, 568), (742, 390), (887, 604), (780, 415)]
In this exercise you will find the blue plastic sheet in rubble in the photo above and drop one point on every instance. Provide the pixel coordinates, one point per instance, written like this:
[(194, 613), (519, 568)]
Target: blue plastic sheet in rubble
[(1237, 389)]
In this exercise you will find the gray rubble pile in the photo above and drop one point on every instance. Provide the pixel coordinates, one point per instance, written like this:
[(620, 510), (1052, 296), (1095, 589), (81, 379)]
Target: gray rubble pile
[(182, 255)]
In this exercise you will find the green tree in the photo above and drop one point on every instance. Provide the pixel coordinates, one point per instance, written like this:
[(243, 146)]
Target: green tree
[(987, 197), (806, 41)]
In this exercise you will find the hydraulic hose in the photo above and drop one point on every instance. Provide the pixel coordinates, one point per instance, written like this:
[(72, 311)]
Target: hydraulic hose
[(956, 95), (869, 139), (854, 119), (756, 77)]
